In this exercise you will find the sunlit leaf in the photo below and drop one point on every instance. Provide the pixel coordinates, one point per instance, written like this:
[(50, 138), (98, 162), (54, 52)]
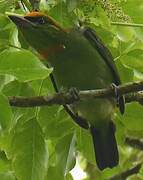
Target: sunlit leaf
[(5, 112), (29, 152), (134, 59), (22, 64), (66, 153)]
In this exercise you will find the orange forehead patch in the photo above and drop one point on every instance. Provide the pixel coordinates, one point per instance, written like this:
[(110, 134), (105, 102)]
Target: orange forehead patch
[(38, 14), (35, 13)]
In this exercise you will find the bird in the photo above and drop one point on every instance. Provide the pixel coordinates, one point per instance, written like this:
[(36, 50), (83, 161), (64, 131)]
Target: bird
[(81, 61)]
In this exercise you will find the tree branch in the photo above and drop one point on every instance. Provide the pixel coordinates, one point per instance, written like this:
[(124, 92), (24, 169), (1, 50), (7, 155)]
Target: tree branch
[(135, 143), (134, 97), (127, 173), (67, 98)]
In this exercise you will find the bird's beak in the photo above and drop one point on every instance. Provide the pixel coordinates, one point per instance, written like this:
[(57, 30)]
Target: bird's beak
[(20, 21)]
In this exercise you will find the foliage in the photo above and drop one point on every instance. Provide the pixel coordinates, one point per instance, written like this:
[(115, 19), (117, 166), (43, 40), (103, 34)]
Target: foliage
[(41, 143)]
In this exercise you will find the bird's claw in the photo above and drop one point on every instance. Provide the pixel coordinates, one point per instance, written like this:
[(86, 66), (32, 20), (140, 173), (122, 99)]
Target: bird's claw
[(74, 92), (115, 88)]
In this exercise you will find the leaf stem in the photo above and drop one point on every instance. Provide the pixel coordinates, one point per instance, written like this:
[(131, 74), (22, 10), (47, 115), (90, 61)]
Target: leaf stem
[(27, 4), (126, 24), (39, 93)]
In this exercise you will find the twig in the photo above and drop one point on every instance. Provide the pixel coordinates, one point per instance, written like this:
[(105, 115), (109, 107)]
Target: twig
[(135, 143), (127, 173), (68, 98), (56, 99), (26, 3), (127, 24), (134, 97)]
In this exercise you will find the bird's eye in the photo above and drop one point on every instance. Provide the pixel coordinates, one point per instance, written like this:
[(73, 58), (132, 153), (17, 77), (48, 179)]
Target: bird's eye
[(41, 20), (36, 20)]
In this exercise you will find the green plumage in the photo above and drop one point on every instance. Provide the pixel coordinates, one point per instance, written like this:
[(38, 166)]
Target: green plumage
[(85, 63), (80, 65)]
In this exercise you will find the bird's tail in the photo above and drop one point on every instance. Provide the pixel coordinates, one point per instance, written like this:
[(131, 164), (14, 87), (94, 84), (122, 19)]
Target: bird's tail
[(105, 146)]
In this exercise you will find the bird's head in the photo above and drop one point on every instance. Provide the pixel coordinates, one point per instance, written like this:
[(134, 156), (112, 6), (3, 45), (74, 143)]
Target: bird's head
[(39, 30)]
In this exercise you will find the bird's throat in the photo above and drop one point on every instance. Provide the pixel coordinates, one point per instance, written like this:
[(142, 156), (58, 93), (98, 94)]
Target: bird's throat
[(46, 53)]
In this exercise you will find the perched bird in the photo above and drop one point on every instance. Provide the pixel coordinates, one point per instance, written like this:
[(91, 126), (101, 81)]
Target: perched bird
[(80, 60)]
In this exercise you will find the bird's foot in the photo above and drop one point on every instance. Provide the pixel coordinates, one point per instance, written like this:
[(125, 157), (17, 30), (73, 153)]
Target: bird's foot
[(71, 93), (74, 92), (115, 88), (120, 101)]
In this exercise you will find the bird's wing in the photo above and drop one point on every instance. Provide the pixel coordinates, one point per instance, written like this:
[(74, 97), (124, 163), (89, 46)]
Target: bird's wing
[(104, 52), (76, 118), (91, 36)]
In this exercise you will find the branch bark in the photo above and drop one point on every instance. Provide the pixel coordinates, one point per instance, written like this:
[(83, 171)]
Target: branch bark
[(67, 98), (127, 173), (135, 143)]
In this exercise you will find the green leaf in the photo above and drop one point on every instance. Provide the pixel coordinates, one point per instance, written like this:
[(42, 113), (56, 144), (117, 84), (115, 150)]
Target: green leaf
[(85, 145), (6, 32), (55, 122), (16, 88), (7, 176), (5, 143), (126, 74), (120, 129), (133, 9), (52, 155), (6, 5), (47, 86), (71, 4), (134, 59), (5, 164), (133, 117), (5, 24), (54, 173), (5, 112), (4, 80), (62, 16), (29, 152), (66, 153), (125, 33), (22, 64)]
